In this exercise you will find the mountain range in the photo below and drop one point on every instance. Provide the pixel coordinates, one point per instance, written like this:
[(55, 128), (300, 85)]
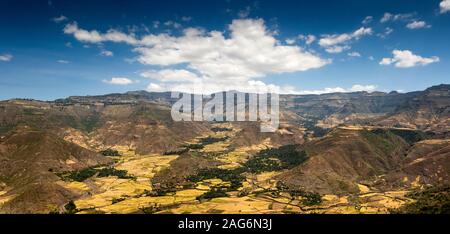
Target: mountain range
[(122, 153)]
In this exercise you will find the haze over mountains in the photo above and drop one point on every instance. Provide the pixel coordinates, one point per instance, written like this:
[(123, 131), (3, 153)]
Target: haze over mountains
[(356, 147)]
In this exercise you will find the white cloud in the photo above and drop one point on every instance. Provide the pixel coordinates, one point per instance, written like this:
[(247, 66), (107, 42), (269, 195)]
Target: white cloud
[(152, 87), (445, 6), (367, 20), (290, 41), (249, 52), (337, 43), (5, 57), (337, 49), (309, 39), (354, 54), (95, 37), (106, 53), (417, 25), (119, 81), (406, 59), (59, 19), (172, 24), (63, 61), (219, 60), (361, 88), (354, 88), (396, 17), (387, 32), (168, 75)]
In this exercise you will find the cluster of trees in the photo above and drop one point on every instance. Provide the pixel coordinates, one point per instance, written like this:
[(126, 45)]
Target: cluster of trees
[(233, 176), (410, 136), (177, 151), (110, 152), (217, 129), (71, 208), (110, 171), (211, 140), (80, 175), (117, 200), (198, 146), (308, 198), (151, 209), (86, 173), (213, 193), (275, 159), (435, 200)]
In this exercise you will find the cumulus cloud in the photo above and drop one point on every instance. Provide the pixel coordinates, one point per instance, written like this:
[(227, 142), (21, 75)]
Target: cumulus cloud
[(169, 75), (119, 81), (417, 25), (444, 6), (5, 57), (222, 61), (337, 43), (96, 37), (406, 59)]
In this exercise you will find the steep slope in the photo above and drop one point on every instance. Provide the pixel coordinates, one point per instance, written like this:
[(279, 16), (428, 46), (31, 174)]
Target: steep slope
[(427, 163), (29, 160), (429, 110), (344, 157)]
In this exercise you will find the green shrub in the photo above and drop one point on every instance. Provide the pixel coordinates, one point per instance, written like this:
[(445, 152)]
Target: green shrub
[(233, 176), (71, 208), (110, 152), (213, 193)]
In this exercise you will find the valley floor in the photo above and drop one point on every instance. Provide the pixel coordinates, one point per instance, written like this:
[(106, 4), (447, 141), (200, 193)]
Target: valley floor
[(134, 195)]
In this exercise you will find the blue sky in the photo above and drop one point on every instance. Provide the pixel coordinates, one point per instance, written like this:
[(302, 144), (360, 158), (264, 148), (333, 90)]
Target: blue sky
[(53, 49)]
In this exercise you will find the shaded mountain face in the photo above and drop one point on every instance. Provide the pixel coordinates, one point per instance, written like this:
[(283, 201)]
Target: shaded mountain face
[(29, 161), (382, 140), (146, 126), (343, 157), (427, 110)]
